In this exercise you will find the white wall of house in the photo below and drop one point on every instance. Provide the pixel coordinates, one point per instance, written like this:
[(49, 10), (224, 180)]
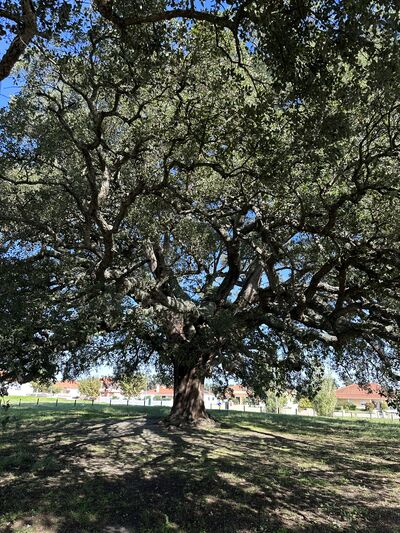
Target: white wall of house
[(69, 393), (24, 389)]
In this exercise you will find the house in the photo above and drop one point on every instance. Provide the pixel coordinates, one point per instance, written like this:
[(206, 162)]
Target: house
[(237, 392), (68, 389), (209, 397), (353, 394), (20, 389), (159, 393), (110, 388)]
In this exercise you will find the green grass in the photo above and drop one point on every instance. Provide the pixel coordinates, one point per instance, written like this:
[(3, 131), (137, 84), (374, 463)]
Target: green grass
[(43, 400), (100, 468)]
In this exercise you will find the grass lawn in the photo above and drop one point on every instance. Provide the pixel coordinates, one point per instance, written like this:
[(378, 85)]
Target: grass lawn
[(117, 470)]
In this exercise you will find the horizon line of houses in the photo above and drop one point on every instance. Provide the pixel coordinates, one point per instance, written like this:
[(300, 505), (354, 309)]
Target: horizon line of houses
[(350, 394)]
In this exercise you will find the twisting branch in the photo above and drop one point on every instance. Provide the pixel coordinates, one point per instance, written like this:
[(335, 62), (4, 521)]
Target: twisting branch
[(26, 30)]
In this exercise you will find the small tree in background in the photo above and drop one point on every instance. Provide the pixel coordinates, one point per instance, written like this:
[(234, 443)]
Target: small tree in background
[(384, 406), (325, 400), (89, 388), (273, 401), (305, 403), (132, 385)]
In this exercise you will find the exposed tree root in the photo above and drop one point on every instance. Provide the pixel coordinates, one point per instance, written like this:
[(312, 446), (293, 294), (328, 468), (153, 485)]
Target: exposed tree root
[(177, 420)]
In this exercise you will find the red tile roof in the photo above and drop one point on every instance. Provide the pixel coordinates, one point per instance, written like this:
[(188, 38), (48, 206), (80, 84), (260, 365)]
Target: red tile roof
[(67, 384), (238, 390), (162, 391), (354, 392)]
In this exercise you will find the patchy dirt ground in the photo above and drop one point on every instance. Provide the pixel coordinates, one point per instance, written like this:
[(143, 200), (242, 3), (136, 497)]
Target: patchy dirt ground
[(118, 471)]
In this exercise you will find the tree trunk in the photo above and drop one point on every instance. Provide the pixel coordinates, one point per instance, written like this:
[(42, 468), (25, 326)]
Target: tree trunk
[(188, 407)]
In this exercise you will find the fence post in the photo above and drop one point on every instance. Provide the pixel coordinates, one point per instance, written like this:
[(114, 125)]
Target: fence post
[(37, 402), (144, 402), (127, 402), (92, 402), (56, 402), (110, 400), (19, 402), (75, 403), (278, 410), (161, 402)]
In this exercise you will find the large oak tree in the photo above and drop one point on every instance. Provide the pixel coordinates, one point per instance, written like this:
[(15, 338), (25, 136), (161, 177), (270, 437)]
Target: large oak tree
[(216, 201)]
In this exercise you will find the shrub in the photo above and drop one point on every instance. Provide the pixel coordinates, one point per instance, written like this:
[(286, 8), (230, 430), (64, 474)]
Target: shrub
[(384, 406), (369, 406), (351, 406), (305, 403)]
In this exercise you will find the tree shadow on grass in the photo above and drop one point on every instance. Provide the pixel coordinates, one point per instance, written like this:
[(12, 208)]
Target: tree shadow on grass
[(118, 474)]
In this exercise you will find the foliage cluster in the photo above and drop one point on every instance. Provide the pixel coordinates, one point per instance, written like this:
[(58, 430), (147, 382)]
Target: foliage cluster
[(89, 388), (133, 384)]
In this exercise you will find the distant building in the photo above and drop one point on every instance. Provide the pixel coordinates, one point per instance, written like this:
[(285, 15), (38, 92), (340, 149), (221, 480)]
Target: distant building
[(20, 389), (68, 389), (110, 388), (234, 393), (237, 392), (164, 393), (353, 394)]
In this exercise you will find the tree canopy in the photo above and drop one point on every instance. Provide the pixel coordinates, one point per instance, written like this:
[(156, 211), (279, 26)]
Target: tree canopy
[(217, 202)]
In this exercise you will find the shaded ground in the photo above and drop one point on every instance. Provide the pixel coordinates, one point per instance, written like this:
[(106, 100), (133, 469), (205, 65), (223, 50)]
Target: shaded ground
[(118, 470)]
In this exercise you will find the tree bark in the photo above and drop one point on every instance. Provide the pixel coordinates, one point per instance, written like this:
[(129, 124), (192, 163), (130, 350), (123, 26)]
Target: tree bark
[(188, 407), (21, 41)]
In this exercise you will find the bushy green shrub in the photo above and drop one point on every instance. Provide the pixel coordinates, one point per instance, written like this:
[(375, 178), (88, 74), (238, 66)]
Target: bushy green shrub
[(384, 406), (305, 403), (351, 406), (369, 406)]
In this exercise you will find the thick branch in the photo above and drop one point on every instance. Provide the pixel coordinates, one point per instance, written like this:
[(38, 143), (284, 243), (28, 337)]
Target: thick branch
[(25, 34)]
